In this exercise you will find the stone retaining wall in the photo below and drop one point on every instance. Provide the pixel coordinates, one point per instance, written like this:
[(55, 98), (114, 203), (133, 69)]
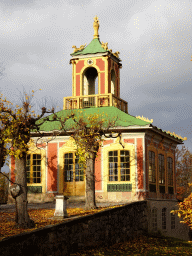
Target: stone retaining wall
[(104, 228)]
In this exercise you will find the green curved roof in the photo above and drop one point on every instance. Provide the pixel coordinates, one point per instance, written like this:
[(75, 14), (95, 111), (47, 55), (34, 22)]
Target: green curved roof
[(121, 118), (93, 47)]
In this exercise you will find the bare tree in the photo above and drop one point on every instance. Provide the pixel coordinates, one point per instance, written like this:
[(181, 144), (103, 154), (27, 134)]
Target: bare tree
[(16, 126)]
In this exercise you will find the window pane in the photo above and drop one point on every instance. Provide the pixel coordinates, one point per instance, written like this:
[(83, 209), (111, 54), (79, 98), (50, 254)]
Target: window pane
[(113, 165), (164, 218), (152, 169), (161, 169), (154, 219), (170, 171), (124, 165)]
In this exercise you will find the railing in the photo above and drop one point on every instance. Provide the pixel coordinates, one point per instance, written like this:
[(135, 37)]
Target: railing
[(96, 100)]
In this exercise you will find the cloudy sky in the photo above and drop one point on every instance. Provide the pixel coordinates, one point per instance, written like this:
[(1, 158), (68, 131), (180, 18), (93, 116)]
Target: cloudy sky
[(153, 38)]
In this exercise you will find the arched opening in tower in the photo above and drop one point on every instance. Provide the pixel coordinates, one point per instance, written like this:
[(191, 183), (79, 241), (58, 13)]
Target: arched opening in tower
[(113, 81), (90, 86), (89, 79)]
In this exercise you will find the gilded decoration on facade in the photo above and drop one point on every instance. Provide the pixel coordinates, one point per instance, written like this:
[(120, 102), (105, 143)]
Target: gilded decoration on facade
[(145, 119), (105, 47), (78, 49), (176, 135)]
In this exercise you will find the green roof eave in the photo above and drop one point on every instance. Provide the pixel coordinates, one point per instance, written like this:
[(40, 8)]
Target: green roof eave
[(92, 48), (121, 118)]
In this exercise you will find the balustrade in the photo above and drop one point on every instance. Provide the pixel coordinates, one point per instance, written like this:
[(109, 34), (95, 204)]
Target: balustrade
[(96, 100)]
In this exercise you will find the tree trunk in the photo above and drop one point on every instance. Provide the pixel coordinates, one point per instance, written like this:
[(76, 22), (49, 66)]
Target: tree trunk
[(22, 218), (90, 183)]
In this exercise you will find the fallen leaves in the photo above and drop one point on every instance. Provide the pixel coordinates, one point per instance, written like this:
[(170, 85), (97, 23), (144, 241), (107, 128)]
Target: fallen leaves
[(143, 245), (41, 217)]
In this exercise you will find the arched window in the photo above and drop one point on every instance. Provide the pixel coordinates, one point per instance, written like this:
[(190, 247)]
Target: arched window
[(113, 81), (89, 79), (154, 219), (164, 211), (119, 165)]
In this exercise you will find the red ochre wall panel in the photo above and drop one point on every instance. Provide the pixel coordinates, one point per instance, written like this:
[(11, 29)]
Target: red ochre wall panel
[(146, 170), (102, 83), (101, 64), (77, 85), (61, 144), (12, 168), (79, 66), (129, 141), (98, 171), (52, 167), (140, 163), (174, 173), (107, 142)]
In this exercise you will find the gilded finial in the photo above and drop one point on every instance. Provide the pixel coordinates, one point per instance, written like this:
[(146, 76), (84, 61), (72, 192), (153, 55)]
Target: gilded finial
[(96, 27)]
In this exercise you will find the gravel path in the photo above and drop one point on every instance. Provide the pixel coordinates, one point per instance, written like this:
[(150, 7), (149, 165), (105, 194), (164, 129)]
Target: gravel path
[(11, 207)]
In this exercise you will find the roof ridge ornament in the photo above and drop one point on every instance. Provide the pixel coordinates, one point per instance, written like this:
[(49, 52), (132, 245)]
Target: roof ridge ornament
[(144, 119), (96, 27), (78, 49)]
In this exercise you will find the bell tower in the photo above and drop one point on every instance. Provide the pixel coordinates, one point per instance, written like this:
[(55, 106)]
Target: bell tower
[(95, 75)]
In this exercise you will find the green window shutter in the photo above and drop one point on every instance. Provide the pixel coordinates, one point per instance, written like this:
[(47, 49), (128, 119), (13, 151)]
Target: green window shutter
[(34, 189), (119, 187)]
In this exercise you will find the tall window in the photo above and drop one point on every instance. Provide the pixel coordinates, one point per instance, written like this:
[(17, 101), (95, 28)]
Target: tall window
[(170, 171), (164, 218), (161, 170), (119, 165), (154, 219), (33, 166), (72, 170), (152, 171), (172, 220)]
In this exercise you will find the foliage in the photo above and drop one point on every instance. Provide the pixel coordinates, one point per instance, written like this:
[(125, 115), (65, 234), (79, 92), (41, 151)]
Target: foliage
[(87, 133), (17, 123), (183, 159), (185, 210)]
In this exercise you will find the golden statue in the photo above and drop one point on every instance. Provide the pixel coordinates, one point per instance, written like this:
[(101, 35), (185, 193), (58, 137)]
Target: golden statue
[(96, 27)]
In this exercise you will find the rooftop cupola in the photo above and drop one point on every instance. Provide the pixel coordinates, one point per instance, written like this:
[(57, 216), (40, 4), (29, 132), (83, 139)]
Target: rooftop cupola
[(95, 75)]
